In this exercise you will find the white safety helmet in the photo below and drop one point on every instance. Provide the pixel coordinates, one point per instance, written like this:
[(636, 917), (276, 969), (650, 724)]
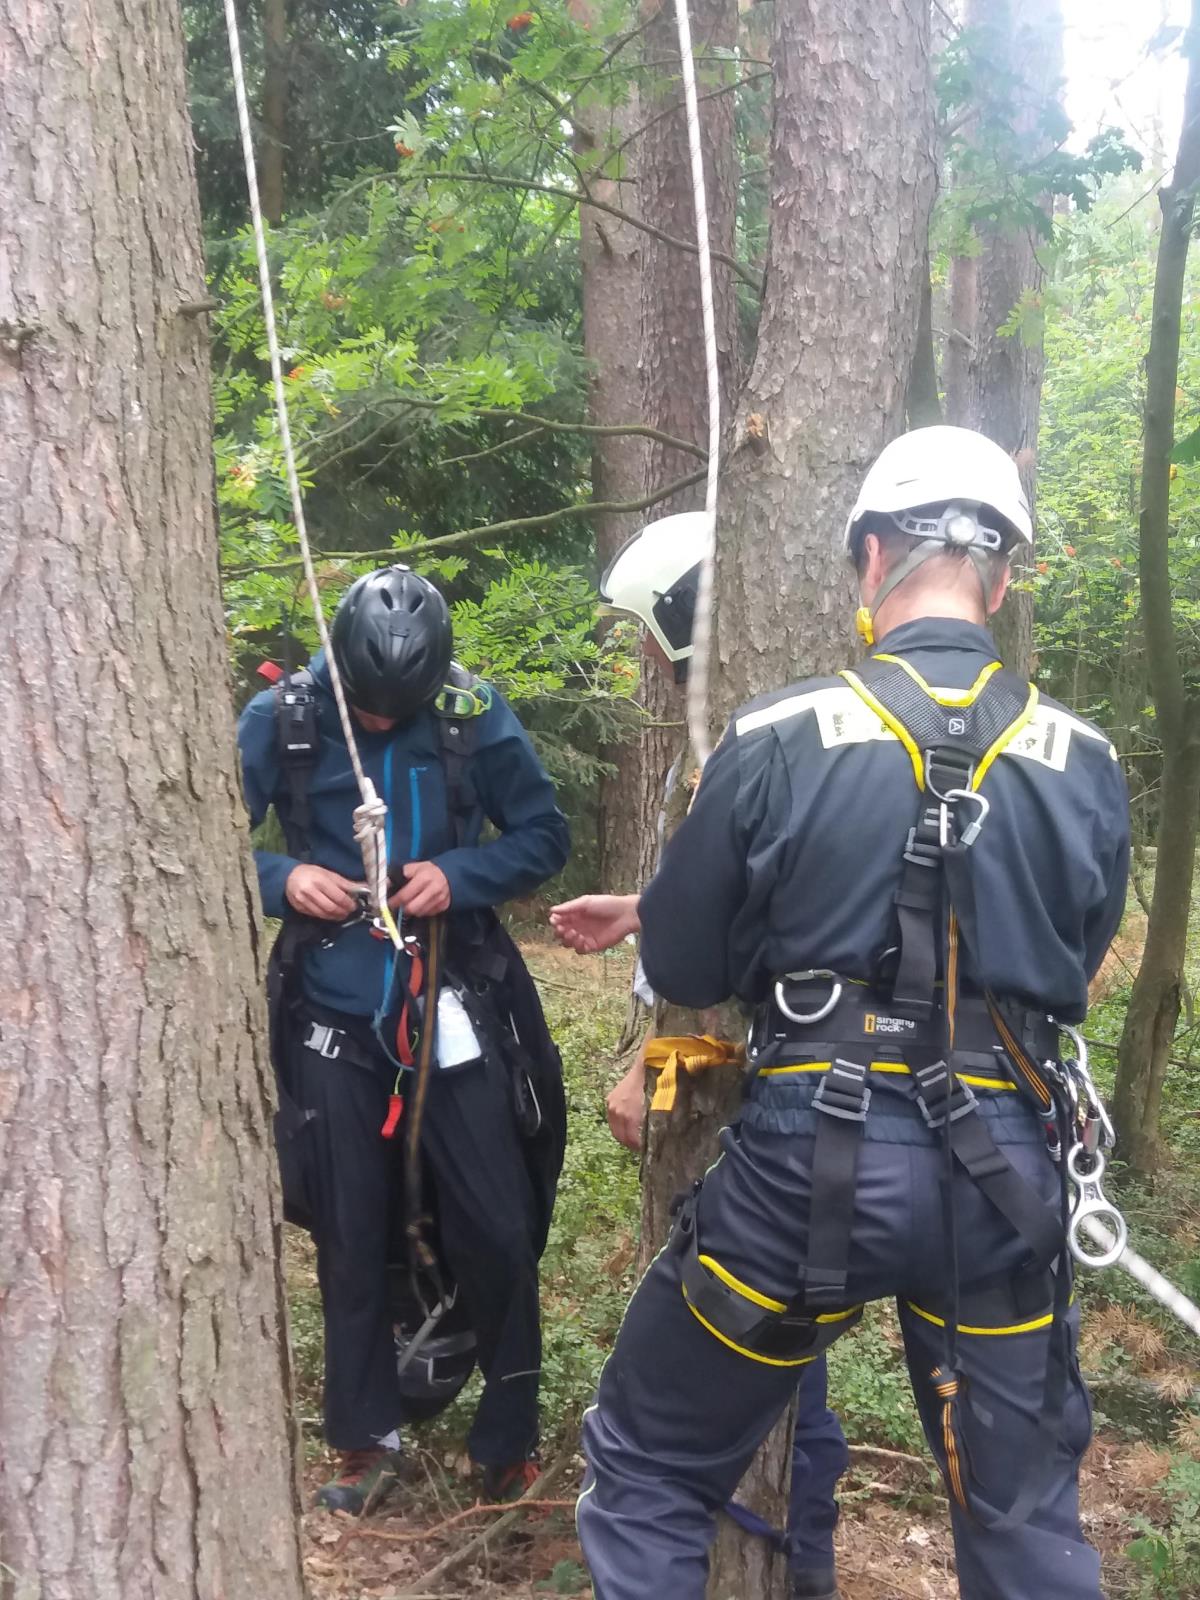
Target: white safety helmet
[(968, 488), (655, 575)]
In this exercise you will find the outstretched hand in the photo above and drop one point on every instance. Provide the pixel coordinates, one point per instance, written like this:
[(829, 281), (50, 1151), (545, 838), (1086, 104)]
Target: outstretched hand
[(595, 921)]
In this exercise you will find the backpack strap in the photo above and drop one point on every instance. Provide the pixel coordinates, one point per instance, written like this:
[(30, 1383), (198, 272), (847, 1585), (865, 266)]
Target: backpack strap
[(463, 700), (298, 742)]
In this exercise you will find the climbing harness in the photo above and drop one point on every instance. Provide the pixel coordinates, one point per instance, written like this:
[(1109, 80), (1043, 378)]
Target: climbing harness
[(370, 817), (697, 691)]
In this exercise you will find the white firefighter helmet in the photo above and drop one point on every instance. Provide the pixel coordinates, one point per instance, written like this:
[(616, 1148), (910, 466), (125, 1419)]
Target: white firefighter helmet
[(944, 467), (655, 575), (947, 488)]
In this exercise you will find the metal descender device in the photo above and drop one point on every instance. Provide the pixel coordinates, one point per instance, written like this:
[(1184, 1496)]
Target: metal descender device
[(1084, 1142)]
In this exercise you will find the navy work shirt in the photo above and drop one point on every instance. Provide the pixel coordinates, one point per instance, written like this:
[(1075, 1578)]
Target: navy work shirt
[(792, 852), (508, 780)]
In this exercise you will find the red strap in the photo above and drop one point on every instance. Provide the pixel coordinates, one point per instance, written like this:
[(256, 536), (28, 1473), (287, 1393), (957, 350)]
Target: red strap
[(416, 977), (395, 1112)]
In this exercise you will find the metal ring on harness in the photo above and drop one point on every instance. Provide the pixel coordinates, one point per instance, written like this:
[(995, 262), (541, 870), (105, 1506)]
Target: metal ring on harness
[(1083, 1071), (803, 977), (1090, 1205)]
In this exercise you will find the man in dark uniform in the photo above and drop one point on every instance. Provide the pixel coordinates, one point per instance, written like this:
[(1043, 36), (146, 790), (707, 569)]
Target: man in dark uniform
[(488, 1170), (901, 871)]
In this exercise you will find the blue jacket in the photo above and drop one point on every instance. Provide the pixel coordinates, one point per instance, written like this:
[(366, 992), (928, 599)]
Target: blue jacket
[(509, 782)]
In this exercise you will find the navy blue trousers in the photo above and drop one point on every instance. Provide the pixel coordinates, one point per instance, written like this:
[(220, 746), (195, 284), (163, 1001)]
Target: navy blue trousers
[(679, 1412)]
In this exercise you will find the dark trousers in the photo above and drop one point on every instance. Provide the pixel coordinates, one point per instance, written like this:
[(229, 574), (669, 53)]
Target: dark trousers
[(481, 1192), (679, 1413), (819, 1458)]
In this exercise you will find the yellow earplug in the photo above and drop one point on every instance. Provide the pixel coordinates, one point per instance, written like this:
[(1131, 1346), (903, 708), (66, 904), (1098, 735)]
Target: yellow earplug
[(865, 625)]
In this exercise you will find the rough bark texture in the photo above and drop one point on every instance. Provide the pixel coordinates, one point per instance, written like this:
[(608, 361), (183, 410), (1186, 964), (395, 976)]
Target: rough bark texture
[(276, 69), (1154, 1003), (610, 254), (675, 400), (143, 1387), (993, 382), (852, 183)]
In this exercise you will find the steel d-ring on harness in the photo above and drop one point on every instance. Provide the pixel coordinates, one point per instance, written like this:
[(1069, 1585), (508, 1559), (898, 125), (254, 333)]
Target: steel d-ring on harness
[(822, 1011)]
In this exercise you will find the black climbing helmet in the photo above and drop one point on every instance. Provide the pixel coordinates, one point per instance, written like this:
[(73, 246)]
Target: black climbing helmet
[(392, 640), (435, 1345)]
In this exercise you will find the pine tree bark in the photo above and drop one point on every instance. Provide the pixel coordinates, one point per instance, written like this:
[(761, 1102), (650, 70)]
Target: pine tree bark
[(993, 381), (610, 258), (1154, 1003), (276, 70), (852, 178), (144, 1383)]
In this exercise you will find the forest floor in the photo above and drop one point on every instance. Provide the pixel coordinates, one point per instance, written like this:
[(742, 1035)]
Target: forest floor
[(1141, 1482)]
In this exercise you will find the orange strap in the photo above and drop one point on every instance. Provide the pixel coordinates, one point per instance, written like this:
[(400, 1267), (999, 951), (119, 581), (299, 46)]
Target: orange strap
[(689, 1052)]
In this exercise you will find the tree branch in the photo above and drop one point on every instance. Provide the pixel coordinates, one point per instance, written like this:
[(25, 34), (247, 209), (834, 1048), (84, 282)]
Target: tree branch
[(553, 425), (444, 541), (747, 274)]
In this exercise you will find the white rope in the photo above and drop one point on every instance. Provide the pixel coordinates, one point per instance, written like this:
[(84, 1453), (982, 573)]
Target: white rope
[(698, 672), (1137, 1267), (370, 818)]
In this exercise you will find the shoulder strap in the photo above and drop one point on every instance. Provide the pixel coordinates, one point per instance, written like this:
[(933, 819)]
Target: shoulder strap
[(458, 708), (952, 738), (299, 747)]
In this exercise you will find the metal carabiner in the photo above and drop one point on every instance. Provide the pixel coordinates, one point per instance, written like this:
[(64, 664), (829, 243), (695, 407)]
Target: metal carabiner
[(971, 833), (1090, 1205), (1082, 1071), (804, 1017)]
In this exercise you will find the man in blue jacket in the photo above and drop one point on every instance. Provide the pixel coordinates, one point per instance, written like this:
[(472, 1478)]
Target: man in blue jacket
[(446, 754)]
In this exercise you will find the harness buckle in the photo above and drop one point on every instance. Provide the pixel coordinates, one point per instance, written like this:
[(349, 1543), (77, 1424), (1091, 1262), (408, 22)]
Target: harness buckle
[(843, 1091), (325, 1041), (939, 1078)]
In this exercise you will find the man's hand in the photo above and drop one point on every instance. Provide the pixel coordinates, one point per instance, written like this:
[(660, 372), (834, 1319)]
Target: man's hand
[(626, 1105), (318, 892), (595, 921), (425, 894)]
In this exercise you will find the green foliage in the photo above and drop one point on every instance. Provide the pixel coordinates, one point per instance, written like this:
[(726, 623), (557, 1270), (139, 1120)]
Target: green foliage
[(1168, 1556), (868, 1383)]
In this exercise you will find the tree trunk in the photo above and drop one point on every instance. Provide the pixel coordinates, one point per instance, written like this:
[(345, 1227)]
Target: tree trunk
[(852, 184), (276, 69), (1154, 1004), (144, 1385), (610, 258), (675, 400), (994, 381)]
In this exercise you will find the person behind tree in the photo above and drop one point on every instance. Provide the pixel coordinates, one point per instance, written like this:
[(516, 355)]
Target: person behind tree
[(908, 873), (654, 577), (446, 754)]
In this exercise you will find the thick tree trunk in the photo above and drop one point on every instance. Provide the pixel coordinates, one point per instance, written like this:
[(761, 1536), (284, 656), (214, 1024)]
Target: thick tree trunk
[(852, 184), (994, 381), (143, 1387), (1154, 1004), (610, 255), (675, 400), (276, 68)]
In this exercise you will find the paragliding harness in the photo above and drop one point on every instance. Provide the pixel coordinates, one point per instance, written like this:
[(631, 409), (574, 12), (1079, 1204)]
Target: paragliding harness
[(468, 953), (915, 1018)]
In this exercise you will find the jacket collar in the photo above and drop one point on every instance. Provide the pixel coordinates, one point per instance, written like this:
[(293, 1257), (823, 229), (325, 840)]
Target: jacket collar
[(938, 633)]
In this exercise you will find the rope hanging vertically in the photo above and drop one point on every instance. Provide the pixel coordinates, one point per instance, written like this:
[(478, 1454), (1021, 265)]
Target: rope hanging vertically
[(698, 674), (370, 818)]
